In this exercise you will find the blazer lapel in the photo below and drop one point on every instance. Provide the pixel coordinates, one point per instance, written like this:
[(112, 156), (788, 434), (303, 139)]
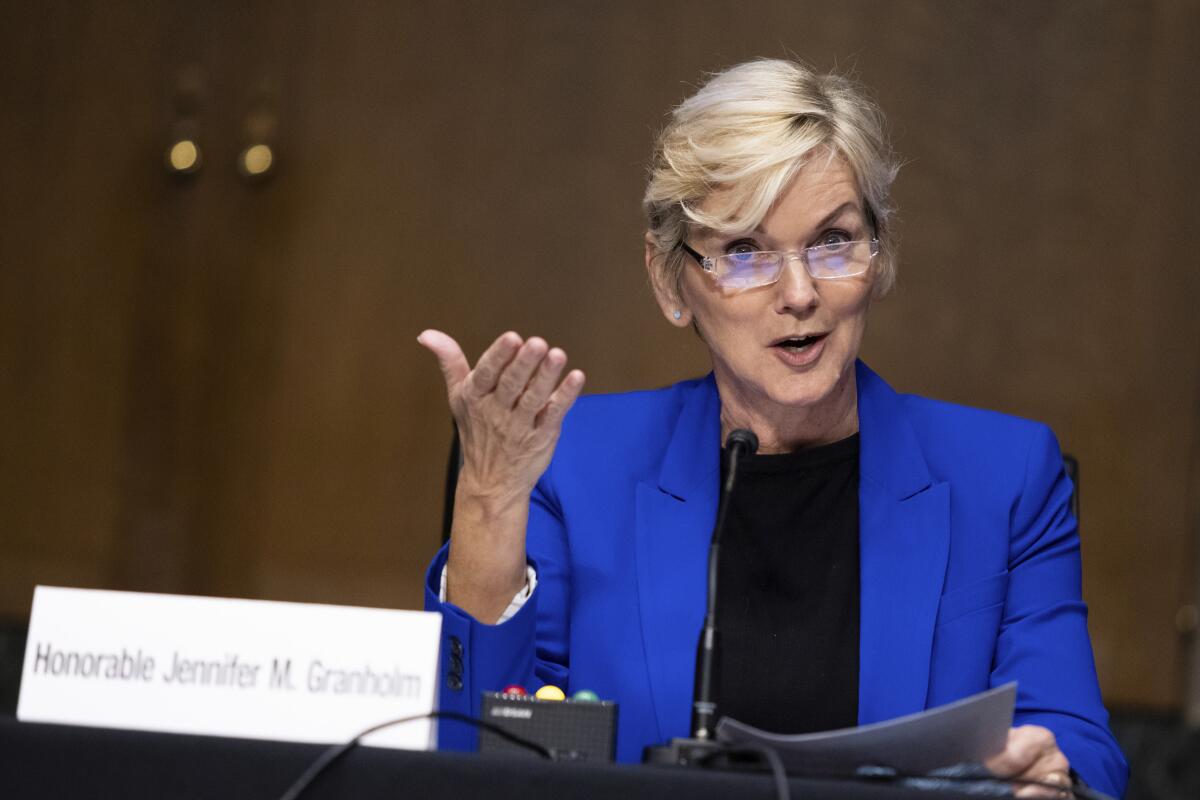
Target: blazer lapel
[(904, 546), (675, 516), (904, 534)]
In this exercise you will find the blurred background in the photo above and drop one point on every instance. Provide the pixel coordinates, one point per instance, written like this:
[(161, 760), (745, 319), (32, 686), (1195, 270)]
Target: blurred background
[(223, 224)]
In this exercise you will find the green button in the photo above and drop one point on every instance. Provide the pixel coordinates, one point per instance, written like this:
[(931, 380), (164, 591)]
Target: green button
[(586, 695)]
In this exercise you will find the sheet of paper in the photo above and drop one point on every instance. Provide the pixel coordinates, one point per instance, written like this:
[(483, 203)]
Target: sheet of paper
[(970, 729)]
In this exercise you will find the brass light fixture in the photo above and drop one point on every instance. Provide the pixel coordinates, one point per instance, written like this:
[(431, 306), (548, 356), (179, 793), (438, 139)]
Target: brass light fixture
[(183, 155), (258, 160)]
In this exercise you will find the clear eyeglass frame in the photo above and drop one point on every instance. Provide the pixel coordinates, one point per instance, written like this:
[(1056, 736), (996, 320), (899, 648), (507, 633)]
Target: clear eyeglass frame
[(741, 271)]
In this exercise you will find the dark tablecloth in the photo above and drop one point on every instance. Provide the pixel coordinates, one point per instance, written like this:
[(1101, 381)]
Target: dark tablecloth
[(55, 761)]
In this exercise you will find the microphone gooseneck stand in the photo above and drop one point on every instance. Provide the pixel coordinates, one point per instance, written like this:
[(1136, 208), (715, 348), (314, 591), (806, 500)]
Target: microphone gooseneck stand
[(702, 743)]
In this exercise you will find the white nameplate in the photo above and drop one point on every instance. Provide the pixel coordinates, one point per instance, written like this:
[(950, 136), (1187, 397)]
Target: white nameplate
[(243, 668)]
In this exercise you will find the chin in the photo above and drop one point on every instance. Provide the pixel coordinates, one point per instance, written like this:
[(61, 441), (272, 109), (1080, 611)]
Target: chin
[(806, 389), (800, 394)]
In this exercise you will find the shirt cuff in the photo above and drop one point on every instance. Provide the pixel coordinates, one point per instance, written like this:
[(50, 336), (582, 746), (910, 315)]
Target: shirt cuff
[(518, 600)]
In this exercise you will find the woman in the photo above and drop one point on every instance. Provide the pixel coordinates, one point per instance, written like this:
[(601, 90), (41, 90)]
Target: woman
[(872, 567)]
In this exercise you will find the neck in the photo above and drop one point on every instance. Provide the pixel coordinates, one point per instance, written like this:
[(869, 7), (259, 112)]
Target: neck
[(786, 429)]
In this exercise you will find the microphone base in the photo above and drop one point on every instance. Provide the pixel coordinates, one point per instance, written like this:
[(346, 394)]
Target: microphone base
[(680, 752)]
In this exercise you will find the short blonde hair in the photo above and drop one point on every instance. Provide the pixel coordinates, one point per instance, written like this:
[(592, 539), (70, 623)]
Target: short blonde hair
[(748, 131)]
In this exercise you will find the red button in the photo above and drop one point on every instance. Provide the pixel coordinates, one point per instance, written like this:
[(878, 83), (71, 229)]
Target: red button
[(515, 689)]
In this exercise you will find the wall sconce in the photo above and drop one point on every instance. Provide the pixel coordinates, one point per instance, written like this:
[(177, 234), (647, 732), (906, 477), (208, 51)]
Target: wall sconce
[(258, 159), (183, 156)]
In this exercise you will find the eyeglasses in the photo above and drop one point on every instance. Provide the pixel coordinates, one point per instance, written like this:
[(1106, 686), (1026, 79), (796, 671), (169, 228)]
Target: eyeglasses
[(762, 267)]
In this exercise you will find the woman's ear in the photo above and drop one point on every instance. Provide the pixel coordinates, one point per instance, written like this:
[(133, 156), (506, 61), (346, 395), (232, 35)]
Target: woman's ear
[(667, 295)]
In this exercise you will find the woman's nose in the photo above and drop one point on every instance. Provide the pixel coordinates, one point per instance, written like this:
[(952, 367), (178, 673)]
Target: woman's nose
[(796, 290)]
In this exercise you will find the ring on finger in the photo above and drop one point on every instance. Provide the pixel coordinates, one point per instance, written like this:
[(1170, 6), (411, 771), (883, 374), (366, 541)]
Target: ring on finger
[(1057, 778)]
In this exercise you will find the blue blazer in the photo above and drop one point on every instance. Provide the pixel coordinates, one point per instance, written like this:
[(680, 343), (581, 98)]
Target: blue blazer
[(969, 560)]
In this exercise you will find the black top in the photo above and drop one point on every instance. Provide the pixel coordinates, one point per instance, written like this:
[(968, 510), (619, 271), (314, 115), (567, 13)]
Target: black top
[(788, 592)]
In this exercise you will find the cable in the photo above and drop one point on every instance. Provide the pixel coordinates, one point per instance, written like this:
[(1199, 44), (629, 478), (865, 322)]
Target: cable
[(769, 754), (334, 753)]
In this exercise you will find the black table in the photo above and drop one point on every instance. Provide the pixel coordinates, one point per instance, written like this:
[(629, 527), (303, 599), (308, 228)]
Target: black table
[(56, 761)]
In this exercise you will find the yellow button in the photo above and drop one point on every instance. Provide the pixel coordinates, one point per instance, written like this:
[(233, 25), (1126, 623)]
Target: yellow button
[(549, 692)]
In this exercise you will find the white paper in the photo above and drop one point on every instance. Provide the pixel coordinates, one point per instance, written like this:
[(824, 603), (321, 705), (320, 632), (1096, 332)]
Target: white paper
[(967, 730), (242, 668)]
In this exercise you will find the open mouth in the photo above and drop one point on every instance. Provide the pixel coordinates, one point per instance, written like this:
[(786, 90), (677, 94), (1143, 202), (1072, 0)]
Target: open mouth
[(800, 343)]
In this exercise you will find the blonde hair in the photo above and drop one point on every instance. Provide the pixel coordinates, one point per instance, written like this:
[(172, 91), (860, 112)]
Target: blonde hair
[(748, 131)]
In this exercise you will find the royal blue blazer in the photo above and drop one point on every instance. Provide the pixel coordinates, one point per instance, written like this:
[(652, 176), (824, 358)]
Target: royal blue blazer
[(969, 560)]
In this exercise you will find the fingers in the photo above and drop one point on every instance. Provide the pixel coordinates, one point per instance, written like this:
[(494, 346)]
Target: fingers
[(1020, 752), (1052, 768), (1032, 754), (533, 399), (450, 357), (483, 379), (515, 376), (561, 400), (519, 376), (1061, 780)]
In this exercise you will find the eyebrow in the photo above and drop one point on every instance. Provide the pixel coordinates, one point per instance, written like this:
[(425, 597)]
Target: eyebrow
[(849, 205)]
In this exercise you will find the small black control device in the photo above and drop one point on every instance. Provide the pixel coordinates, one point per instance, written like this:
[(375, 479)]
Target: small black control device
[(573, 730)]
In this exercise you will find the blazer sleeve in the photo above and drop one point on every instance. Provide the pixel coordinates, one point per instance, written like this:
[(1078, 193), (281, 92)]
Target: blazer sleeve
[(1043, 641), (529, 649)]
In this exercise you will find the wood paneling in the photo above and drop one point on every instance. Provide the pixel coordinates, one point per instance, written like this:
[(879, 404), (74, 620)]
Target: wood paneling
[(79, 154), (215, 385)]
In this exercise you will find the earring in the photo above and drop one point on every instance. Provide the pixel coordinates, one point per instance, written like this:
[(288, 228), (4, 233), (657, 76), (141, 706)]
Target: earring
[(678, 314)]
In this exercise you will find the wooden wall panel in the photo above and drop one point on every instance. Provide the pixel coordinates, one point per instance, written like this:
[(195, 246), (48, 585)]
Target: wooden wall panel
[(217, 387), (79, 158)]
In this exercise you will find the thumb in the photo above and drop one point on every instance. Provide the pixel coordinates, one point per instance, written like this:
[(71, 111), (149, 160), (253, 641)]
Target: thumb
[(449, 355)]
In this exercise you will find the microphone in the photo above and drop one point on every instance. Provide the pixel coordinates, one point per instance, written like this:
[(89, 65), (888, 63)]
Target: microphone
[(740, 442), (704, 709)]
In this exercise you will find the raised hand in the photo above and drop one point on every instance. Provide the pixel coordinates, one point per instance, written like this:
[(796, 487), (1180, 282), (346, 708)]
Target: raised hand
[(509, 411)]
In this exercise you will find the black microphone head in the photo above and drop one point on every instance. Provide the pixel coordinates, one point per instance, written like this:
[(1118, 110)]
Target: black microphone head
[(743, 438)]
